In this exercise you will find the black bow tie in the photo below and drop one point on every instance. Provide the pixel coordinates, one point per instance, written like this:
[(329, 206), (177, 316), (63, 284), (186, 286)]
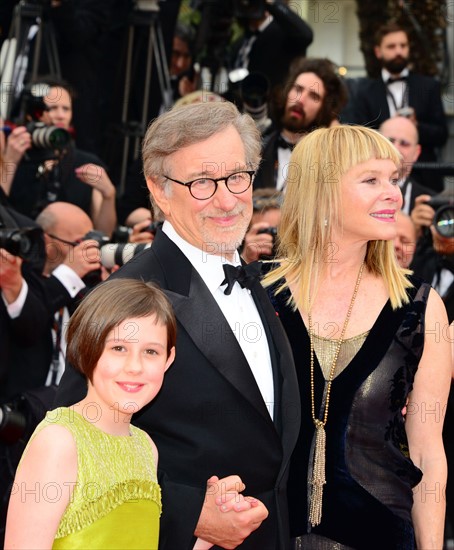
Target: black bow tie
[(244, 275), (284, 144), (392, 79)]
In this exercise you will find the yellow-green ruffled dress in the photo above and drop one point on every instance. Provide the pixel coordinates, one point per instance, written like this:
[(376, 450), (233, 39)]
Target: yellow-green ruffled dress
[(116, 502)]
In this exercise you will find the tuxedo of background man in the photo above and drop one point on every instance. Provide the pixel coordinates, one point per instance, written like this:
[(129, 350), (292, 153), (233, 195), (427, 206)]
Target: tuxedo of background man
[(229, 405), (377, 99)]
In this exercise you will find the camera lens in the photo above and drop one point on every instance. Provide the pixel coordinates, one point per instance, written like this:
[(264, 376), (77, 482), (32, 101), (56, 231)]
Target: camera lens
[(444, 221)]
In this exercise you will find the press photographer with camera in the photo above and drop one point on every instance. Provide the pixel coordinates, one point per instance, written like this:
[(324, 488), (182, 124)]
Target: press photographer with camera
[(47, 173), (274, 35), (260, 239), (72, 267)]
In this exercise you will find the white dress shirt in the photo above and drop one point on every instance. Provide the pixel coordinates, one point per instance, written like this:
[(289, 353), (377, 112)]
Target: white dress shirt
[(238, 308)]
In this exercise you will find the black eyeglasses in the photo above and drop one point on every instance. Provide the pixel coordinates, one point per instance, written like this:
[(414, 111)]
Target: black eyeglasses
[(401, 142), (69, 243), (203, 189)]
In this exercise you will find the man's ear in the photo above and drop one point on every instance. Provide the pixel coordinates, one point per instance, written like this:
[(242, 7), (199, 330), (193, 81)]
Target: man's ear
[(159, 196), (417, 152), (377, 52)]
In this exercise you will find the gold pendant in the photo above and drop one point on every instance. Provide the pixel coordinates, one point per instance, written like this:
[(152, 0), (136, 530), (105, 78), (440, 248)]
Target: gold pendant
[(318, 475)]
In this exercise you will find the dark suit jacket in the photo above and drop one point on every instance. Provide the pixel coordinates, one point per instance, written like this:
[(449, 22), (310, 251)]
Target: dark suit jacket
[(266, 173), (210, 418), (416, 190), (370, 108)]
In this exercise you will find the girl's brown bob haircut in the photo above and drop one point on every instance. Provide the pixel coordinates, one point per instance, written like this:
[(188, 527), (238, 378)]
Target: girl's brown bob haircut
[(104, 308)]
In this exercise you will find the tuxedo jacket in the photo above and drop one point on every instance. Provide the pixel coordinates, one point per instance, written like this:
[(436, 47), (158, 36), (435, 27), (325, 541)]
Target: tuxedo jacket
[(370, 108), (209, 417)]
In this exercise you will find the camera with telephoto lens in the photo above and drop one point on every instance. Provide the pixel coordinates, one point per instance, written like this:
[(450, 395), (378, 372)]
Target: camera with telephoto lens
[(94, 277), (48, 141), (443, 220), (111, 253), (119, 253)]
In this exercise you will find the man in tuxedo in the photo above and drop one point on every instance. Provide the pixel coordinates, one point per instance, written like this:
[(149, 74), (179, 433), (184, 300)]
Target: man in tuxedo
[(312, 98), (400, 91), (229, 406)]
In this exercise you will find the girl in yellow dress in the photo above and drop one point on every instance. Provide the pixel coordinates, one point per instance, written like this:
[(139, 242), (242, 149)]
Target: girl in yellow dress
[(87, 478)]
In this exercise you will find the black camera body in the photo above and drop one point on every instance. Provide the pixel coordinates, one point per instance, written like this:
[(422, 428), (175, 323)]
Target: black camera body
[(273, 232), (26, 241), (153, 227), (443, 220), (270, 230)]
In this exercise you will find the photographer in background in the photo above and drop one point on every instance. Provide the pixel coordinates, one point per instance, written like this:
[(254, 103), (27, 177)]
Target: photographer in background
[(434, 255), (403, 134), (72, 266), (75, 176), (274, 35), (260, 239)]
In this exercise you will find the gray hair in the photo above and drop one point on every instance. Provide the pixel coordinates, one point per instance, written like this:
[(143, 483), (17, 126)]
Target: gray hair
[(189, 124), (47, 220)]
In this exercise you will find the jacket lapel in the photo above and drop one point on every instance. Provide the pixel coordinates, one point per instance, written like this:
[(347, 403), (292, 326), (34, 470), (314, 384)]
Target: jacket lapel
[(201, 317)]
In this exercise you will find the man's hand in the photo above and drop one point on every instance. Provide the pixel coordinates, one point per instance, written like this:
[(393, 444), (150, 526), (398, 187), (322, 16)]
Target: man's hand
[(422, 214), (257, 244), (84, 258), (10, 276), (230, 528), (96, 177)]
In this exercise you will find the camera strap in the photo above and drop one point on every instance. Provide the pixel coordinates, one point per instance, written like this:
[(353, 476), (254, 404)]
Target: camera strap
[(399, 92)]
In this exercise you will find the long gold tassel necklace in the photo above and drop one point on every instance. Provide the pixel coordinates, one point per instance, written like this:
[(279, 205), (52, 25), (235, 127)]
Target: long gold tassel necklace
[(318, 466)]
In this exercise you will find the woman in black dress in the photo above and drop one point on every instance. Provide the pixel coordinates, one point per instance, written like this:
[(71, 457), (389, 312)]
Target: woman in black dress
[(371, 349)]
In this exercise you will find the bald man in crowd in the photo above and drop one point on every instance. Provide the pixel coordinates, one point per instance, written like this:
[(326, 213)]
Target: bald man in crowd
[(70, 257), (403, 133)]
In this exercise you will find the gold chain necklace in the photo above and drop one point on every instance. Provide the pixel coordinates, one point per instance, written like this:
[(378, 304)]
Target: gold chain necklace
[(318, 466)]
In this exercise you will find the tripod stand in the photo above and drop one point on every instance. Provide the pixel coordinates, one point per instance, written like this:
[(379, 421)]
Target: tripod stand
[(146, 25), (31, 32)]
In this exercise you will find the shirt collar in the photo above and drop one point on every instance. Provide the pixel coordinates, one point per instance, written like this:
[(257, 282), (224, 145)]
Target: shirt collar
[(385, 74), (209, 266)]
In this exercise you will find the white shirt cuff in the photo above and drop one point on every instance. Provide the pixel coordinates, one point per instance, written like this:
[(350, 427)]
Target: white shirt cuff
[(14, 309), (69, 279)]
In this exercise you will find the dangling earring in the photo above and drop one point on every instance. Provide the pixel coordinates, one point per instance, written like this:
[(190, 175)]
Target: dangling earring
[(326, 222)]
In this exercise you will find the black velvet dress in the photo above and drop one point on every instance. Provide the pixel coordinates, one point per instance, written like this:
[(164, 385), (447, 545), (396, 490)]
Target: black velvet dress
[(367, 499)]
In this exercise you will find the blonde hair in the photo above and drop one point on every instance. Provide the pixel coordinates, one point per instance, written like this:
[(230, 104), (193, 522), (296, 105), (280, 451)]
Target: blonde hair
[(313, 195)]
